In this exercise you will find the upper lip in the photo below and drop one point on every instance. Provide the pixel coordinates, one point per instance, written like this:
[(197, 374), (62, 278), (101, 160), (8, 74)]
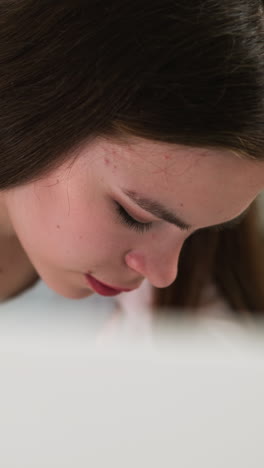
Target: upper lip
[(115, 287)]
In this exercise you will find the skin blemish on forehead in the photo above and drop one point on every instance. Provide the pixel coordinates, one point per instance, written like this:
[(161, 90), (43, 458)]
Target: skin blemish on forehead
[(58, 226), (115, 150), (106, 161)]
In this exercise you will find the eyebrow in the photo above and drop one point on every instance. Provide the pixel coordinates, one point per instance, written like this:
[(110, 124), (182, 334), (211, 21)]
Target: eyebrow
[(160, 211), (157, 209)]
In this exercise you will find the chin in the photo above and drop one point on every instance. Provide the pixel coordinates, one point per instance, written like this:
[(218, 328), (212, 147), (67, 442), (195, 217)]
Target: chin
[(70, 292), (78, 295)]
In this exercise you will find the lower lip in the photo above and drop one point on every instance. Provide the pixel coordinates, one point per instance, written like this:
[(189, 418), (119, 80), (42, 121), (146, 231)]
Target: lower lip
[(101, 288)]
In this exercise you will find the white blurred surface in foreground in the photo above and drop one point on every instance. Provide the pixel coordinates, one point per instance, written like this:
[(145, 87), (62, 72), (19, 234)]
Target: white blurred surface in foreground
[(190, 398)]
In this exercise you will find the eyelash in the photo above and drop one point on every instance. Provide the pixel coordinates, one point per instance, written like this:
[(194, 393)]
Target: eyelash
[(131, 222)]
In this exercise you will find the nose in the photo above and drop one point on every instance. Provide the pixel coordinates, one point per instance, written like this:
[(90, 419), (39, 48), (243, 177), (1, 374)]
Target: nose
[(159, 264)]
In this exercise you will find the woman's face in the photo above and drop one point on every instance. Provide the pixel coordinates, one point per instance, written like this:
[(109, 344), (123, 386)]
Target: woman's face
[(74, 220)]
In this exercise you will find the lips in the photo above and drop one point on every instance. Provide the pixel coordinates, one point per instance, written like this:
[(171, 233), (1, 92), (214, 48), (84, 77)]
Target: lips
[(102, 288)]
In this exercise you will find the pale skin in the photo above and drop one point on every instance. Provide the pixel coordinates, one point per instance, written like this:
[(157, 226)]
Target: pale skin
[(67, 223)]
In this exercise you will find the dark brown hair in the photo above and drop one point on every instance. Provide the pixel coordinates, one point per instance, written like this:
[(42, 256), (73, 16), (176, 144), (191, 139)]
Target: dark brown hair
[(190, 73)]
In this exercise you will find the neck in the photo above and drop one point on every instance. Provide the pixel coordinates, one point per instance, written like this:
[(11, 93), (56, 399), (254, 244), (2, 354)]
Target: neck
[(6, 228), (16, 271)]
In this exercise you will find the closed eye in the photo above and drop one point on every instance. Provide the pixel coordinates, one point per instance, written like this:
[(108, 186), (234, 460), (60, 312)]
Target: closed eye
[(131, 222)]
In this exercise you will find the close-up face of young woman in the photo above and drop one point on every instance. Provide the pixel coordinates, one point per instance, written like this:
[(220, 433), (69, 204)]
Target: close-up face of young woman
[(122, 211)]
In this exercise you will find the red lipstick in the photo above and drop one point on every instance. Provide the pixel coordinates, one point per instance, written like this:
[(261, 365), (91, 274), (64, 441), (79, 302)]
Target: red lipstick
[(102, 288)]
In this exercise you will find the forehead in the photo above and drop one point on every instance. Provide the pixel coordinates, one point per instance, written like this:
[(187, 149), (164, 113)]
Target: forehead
[(148, 159)]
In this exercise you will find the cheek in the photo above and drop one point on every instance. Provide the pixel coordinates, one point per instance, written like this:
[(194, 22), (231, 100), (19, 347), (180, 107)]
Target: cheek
[(53, 229), (154, 236), (35, 218), (98, 234)]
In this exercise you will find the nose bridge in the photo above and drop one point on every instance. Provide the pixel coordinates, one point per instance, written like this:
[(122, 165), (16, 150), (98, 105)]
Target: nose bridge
[(157, 261)]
